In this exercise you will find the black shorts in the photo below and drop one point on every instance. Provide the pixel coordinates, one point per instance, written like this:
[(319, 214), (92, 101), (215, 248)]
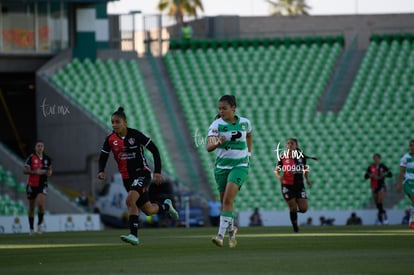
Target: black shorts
[(295, 191), (380, 188), (140, 184), (32, 192)]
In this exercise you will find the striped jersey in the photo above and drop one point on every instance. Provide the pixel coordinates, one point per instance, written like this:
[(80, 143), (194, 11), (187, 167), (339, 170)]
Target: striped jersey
[(233, 152), (407, 161)]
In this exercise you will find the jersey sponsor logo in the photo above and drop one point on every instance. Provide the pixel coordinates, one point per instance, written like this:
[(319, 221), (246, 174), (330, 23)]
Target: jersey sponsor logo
[(126, 156), (115, 143)]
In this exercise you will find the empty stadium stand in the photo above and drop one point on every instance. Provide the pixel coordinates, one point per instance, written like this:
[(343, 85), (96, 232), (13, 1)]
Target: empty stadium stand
[(277, 83), (100, 87)]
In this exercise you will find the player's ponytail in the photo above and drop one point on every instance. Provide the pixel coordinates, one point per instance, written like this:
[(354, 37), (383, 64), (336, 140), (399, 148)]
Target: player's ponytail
[(299, 150), (120, 112)]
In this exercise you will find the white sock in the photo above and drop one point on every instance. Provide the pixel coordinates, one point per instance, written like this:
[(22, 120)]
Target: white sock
[(224, 225)]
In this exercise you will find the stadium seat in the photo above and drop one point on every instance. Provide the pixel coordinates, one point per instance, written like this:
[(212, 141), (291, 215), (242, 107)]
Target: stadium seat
[(101, 86)]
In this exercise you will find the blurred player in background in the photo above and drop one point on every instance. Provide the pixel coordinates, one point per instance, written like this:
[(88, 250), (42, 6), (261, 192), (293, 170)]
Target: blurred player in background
[(406, 179), (377, 172), (231, 137), (290, 170), (127, 146), (38, 166)]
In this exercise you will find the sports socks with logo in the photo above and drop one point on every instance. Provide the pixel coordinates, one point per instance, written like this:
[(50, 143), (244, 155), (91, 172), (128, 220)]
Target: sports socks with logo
[(134, 224), (226, 223)]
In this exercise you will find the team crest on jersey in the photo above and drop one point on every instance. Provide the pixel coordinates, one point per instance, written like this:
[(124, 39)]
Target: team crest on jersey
[(35, 161), (131, 141)]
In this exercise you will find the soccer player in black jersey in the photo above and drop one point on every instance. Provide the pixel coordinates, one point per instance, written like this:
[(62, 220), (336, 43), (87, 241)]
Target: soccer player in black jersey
[(127, 146), (39, 167), (290, 170), (377, 172)]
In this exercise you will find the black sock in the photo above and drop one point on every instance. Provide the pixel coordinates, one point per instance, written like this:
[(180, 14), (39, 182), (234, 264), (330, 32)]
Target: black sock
[(40, 218), (294, 220), (31, 222), (134, 224), (163, 207), (380, 211)]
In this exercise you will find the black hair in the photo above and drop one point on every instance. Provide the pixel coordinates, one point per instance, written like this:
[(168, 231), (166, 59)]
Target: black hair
[(230, 99), (376, 155), (38, 141), (295, 140), (120, 112)]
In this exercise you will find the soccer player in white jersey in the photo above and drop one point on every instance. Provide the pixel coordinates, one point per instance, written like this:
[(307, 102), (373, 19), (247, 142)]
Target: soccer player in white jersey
[(406, 179), (231, 137)]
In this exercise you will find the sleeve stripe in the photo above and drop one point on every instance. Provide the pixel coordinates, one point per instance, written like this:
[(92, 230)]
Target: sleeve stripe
[(103, 151), (149, 140)]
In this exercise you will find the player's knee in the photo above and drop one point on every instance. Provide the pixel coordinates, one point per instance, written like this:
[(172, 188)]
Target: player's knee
[(130, 201), (149, 209), (303, 209)]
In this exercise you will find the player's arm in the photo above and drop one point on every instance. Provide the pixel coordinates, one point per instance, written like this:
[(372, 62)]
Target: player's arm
[(401, 178), (103, 159), (49, 171), (249, 141), (387, 171), (214, 141), (367, 174), (277, 170), (156, 155), (306, 175), (150, 146)]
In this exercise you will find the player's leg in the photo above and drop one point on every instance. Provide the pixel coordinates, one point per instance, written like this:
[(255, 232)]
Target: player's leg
[(133, 213), (409, 190), (31, 197), (302, 205), (226, 215), (382, 215), (41, 207), (135, 187), (233, 183), (375, 197), (150, 208), (221, 180), (293, 213), (238, 176), (32, 204)]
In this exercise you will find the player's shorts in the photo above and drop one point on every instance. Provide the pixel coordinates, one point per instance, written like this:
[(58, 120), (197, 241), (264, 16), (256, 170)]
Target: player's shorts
[(380, 188), (140, 184), (32, 192), (409, 187), (237, 175), (295, 191)]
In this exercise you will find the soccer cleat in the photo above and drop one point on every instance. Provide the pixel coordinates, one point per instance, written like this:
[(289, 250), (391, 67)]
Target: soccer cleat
[(131, 239), (411, 225), (218, 241), (232, 238), (31, 233), (39, 229), (173, 213)]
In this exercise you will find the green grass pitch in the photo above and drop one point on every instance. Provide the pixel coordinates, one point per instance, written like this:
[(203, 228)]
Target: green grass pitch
[(267, 250)]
